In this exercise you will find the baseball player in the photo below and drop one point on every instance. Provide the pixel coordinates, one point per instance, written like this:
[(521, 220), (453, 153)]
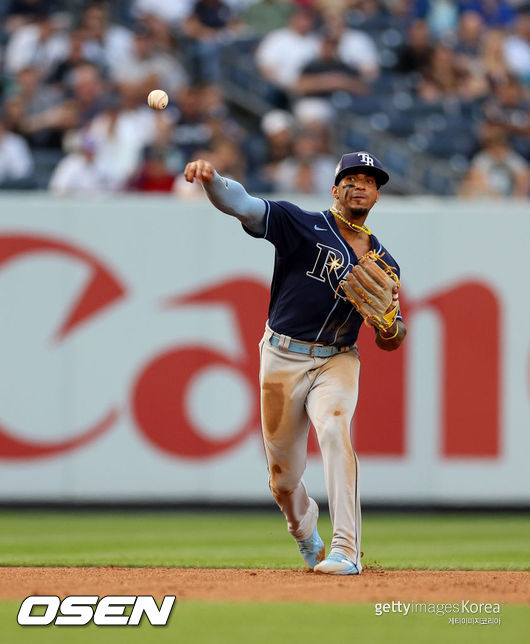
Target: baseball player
[(330, 274)]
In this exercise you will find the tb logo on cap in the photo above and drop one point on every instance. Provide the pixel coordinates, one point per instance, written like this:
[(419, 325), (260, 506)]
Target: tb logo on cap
[(366, 158)]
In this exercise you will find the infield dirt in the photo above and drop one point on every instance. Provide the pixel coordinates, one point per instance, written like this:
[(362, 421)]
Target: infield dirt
[(268, 585)]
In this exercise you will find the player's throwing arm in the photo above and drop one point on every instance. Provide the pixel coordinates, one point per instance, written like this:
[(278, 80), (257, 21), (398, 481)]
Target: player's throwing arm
[(228, 196)]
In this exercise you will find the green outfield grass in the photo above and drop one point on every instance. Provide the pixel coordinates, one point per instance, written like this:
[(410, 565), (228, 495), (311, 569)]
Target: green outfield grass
[(472, 542), (230, 623)]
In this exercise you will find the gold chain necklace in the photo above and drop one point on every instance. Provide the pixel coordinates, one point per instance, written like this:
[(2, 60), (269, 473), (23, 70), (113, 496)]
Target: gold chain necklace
[(358, 229)]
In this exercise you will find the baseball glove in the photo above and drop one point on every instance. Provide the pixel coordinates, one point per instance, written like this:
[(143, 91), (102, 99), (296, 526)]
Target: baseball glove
[(370, 289)]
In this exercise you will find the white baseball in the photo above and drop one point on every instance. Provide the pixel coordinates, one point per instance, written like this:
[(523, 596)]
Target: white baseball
[(157, 99)]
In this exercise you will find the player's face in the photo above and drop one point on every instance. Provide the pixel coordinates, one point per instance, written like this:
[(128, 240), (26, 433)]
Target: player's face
[(356, 192)]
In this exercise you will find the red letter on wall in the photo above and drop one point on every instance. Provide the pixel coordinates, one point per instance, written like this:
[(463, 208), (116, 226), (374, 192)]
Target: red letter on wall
[(470, 402)]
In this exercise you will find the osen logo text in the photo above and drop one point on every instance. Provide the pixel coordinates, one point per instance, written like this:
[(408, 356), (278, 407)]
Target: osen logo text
[(79, 610)]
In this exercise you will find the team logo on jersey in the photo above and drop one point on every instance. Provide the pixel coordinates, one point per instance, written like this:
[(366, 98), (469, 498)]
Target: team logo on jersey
[(330, 266), (366, 159)]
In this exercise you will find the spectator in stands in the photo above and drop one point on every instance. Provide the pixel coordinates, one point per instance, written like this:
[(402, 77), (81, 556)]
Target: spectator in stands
[(267, 146), (113, 43), (355, 48), (509, 109), (313, 112), (208, 17), (441, 16), (447, 77), (216, 116), (150, 68), (78, 173), (78, 53), (492, 56), (39, 112), (364, 14), (230, 158), (517, 47), (39, 43), (153, 174), (400, 15), (122, 131), (495, 13), (163, 38), (470, 35), (90, 92), (282, 54), (16, 163), (496, 171), (229, 161), (190, 131), (322, 137), (13, 114), (19, 13), (210, 24), (327, 74), (416, 50), (308, 171), (278, 126), (168, 11)]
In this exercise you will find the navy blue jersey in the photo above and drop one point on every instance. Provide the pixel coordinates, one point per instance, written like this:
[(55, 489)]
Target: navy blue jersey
[(311, 259)]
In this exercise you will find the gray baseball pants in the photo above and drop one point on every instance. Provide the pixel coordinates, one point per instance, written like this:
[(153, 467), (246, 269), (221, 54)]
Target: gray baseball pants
[(297, 389)]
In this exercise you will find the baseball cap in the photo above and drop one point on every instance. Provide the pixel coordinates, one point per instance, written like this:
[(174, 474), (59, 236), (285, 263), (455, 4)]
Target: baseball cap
[(364, 161), (277, 121)]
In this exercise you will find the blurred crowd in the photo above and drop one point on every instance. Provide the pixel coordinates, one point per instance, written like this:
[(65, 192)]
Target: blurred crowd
[(75, 77)]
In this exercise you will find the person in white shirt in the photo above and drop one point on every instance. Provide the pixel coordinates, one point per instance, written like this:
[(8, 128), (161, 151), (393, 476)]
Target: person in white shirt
[(497, 170), (16, 161), (355, 48), (282, 54), (115, 43), (79, 174), (121, 132), (517, 48), (40, 44), (150, 68), (167, 10)]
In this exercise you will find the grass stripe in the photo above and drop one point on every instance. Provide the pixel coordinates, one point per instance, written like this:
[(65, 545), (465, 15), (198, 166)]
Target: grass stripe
[(480, 542)]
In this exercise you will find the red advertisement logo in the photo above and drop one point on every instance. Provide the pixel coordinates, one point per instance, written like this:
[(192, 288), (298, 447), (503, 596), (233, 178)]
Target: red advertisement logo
[(470, 369), (102, 290)]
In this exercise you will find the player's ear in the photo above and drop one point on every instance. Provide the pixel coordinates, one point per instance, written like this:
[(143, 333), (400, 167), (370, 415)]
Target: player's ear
[(334, 191), (377, 196)]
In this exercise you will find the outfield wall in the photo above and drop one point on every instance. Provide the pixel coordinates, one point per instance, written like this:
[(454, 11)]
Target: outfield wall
[(129, 354)]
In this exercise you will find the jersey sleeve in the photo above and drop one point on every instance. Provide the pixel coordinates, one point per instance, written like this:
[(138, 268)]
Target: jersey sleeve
[(282, 226)]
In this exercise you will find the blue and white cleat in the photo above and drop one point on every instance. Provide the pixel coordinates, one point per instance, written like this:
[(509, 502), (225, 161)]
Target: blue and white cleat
[(312, 549), (337, 564)]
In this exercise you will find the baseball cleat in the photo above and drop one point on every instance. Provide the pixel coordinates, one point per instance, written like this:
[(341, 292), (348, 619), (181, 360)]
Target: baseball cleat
[(337, 564), (312, 549)]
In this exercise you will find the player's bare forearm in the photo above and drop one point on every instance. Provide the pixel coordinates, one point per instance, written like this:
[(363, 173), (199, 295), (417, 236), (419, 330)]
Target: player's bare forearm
[(391, 339), (227, 195)]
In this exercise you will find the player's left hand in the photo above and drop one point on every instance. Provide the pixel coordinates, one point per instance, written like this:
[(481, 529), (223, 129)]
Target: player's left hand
[(373, 291)]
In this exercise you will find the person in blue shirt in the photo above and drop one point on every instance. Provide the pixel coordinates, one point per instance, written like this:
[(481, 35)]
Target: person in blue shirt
[(309, 363)]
